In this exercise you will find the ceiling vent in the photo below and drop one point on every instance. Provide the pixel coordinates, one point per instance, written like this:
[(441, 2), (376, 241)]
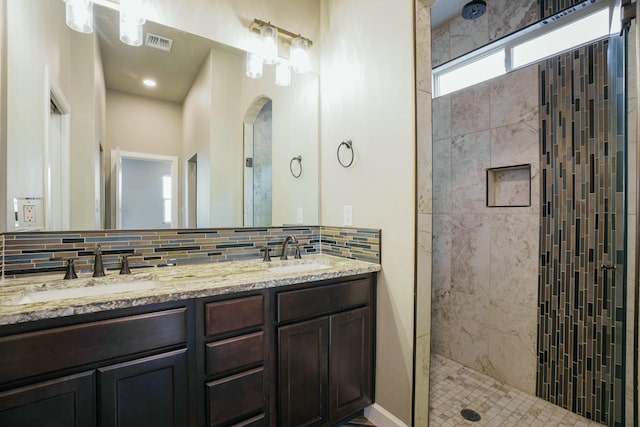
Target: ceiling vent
[(158, 42)]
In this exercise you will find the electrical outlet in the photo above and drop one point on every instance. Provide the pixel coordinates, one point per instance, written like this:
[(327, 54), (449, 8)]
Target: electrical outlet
[(348, 215), (299, 217), (29, 213)]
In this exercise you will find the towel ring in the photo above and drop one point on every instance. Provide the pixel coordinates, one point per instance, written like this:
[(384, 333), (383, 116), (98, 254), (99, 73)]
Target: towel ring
[(299, 160), (349, 146)]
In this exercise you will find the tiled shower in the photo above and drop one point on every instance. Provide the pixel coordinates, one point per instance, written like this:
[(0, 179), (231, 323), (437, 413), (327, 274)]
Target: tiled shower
[(488, 262)]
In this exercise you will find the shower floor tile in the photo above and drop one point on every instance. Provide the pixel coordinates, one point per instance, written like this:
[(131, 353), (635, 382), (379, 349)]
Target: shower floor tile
[(455, 387)]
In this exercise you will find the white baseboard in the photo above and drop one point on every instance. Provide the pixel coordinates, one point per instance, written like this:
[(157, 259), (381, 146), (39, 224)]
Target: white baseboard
[(381, 417)]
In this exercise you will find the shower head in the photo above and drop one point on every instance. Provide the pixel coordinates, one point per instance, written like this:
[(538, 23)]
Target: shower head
[(474, 9)]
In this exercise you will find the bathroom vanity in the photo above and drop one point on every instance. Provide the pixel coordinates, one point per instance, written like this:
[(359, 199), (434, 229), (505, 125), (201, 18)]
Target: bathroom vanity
[(223, 344)]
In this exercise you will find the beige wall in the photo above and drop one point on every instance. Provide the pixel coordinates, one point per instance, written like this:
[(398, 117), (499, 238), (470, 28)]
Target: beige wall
[(367, 94), (197, 136), (3, 113), (28, 57), (140, 125), (226, 21), (35, 59), (295, 132)]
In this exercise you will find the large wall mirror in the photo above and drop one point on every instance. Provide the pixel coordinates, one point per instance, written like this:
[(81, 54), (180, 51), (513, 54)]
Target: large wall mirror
[(89, 146)]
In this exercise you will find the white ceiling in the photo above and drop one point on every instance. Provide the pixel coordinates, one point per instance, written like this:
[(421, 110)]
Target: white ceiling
[(443, 11)]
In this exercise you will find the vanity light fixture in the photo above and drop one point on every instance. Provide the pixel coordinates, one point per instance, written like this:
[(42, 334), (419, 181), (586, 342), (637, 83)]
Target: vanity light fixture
[(300, 55), (79, 15), (283, 74), (131, 22), (269, 38), (264, 50)]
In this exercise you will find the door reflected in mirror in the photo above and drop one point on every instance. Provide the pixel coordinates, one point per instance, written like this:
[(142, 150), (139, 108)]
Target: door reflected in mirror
[(198, 113)]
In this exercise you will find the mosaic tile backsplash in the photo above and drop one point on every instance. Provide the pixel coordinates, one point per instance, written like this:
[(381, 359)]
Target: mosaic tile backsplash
[(39, 253), (581, 325)]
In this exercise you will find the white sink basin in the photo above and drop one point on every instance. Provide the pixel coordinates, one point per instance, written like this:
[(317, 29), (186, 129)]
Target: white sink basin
[(298, 268), (87, 291)]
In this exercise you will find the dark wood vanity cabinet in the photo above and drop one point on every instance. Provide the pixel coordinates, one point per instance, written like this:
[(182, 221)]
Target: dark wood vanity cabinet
[(232, 339), (325, 352), (287, 356), (129, 370)]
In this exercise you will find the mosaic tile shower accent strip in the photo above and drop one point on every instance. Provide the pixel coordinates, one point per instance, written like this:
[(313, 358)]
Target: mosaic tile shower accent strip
[(551, 7), (581, 324), (356, 243), (39, 253)]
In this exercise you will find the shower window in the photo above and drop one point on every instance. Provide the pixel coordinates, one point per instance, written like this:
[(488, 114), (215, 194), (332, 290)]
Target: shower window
[(584, 23)]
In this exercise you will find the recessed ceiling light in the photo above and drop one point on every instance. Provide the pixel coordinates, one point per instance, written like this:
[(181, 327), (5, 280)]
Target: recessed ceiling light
[(149, 83)]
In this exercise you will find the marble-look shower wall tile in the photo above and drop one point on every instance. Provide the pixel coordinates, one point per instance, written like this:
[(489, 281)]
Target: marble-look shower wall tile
[(515, 144), (631, 308), (470, 254), (470, 157), (470, 110), (514, 97), (469, 332), (512, 332), (440, 45), (442, 176), (442, 237), (441, 114), (425, 193), (423, 362), (423, 46), (423, 297), (518, 144), (441, 320), (467, 35), (507, 16), (514, 259)]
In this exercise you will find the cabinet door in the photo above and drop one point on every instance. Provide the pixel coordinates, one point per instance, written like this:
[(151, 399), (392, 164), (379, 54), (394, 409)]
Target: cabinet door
[(351, 353), (63, 402), (145, 392), (303, 373)]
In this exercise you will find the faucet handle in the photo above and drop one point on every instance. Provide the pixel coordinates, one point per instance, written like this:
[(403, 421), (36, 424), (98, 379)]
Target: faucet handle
[(71, 270), (267, 255), (124, 265), (297, 253), (98, 266)]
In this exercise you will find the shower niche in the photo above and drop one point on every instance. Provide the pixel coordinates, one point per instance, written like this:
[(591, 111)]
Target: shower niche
[(509, 186)]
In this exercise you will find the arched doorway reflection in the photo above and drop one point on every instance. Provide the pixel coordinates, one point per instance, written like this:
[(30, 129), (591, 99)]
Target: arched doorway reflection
[(257, 167)]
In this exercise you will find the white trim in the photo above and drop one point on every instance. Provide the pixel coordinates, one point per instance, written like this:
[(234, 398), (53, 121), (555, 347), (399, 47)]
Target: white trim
[(57, 219), (381, 417), (116, 171)]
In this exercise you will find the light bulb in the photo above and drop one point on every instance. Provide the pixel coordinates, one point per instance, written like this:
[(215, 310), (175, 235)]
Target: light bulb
[(131, 22), (269, 37), (79, 15), (254, 65), (300, 55), (283, 74)]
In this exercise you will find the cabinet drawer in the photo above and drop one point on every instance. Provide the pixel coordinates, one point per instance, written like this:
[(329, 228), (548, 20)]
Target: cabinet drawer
[(258, 421), (233, 315), (236, 398), (321, 300), (49, 350), (234, 353)]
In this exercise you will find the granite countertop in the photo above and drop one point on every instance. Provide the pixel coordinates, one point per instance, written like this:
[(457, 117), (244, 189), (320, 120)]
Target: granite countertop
[(19, 298)]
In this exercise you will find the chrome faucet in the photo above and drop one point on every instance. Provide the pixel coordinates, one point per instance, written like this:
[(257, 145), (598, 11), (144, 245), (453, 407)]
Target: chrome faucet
[(285, 247), (98, 267)]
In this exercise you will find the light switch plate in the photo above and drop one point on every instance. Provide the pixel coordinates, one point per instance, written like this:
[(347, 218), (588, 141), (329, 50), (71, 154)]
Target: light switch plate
[(299, 217), (348, 215)]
